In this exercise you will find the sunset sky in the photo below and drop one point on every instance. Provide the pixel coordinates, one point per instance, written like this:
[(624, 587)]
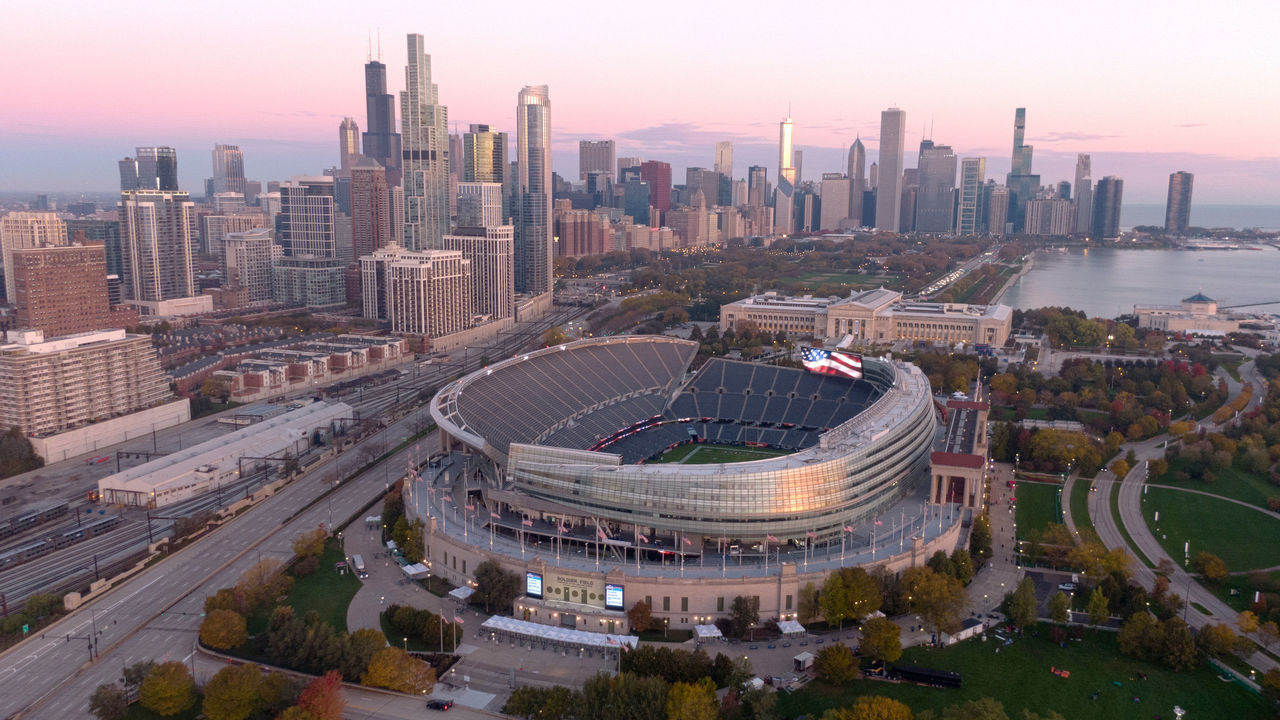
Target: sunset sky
[(1146, 87)]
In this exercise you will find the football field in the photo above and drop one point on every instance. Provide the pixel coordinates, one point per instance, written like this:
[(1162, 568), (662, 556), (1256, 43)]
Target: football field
[(707, 453)]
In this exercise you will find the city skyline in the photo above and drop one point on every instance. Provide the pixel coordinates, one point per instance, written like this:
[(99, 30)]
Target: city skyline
[(1141, 131)]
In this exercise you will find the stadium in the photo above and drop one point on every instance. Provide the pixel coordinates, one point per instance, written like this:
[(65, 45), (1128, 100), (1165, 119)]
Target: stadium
[(611, 455)]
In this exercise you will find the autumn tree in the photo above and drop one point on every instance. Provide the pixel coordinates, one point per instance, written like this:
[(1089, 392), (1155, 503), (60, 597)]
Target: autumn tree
[(1098, 608), (394, 669), (807, 604), (108, 702), (871, 707), (640, 616), (1021, 606), (1059, 607), (1247, 621), (1269, 633), (1120, 469), (168, 689), (1139, 636), (223, 630), (310, 543), (233, 693), (980, 541), (1209, 565), (495, 585), (693, 701), (881, 639), (1217, 640), (322, 698), (939, 600), (836, 664)]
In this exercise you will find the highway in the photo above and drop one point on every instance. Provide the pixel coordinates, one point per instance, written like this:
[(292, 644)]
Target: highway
[(156, 614)]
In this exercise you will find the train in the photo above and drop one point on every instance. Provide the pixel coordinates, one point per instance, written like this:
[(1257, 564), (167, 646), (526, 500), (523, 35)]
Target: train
[(18, 554), (19, 523)]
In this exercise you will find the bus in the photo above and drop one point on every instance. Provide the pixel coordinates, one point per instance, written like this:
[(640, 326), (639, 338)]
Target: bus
[(358, 563)]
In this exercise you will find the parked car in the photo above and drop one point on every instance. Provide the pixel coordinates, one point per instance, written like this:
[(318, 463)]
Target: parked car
[(439, 704)]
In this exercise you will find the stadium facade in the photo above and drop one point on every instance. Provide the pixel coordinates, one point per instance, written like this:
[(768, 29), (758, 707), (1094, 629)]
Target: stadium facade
[(553, 474)]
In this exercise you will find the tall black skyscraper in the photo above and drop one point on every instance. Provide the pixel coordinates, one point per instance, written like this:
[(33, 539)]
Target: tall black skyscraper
[(381, 141), (1022, 184), (1177, 213), (1107, 195)]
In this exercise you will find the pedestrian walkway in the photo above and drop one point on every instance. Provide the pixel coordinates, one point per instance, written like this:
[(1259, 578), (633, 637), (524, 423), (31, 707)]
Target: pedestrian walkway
[(1001, 574)]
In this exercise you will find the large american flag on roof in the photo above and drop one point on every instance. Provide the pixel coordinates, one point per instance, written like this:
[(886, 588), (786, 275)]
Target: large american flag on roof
[(832, 362)]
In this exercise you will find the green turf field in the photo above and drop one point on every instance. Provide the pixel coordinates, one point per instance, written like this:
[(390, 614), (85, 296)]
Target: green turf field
[(1234, 482), (1019, 677), (706, 453), (1244, 538), (1037, 506)]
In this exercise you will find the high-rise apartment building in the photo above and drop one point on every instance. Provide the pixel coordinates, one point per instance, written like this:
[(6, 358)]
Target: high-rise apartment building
[(55, 384), (381, 141), (1177, 211), (757, 185), (784, 193), (533, 191), (152, 168), (658, 175), (484, 155), (1084, 193), (627, 162), (997, 212), (935, 200), (595, 156), (857, 180), (1107, 197), (61, 290), (724, 158), (371, 217), (1050, 216), (215, 228), (314, 282), (307, 217), (157, 245), (480, 204), (579, 232), (1022, 184), (99, 230), (701, 180), (228, 170), (249, 256), (835, 201), (636, 200), (893, 132), (420, 292), (348, 144), (424, 133), (27, 230), (969, 218), (491, 253)]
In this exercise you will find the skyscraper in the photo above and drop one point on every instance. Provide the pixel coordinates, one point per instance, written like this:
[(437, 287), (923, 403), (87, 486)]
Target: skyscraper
[(784, 193), (248, 262), (27, 230), (533, 168), (151, 168), (61, 290), (480, 205), (348, 144), (724, 158), (969, 211), (658, 175), (1107, 196), (157, 245), (595, 156), (1084, 193), (857, 179), (1177, 211), (935, 200), (757, 180), (371, 218), (381, 141), (228, 169), (424, 131), (1022, 184), (307, 217), (484, 155), (893, 132), (490, 252), (834, 211)]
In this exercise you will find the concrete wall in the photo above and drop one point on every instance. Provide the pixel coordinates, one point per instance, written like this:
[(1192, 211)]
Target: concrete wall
[(90, 438), (482, 334)]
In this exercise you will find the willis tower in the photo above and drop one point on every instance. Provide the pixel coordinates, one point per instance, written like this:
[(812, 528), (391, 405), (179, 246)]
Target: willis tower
[(381, 142)]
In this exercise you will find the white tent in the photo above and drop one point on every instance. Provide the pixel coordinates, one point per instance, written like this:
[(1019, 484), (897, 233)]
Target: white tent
[(416, 571), (790, 628), (462, 593), (568, 636), (704, 632)]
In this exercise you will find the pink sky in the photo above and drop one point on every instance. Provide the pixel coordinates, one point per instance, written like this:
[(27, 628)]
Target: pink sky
[(1148, 88)]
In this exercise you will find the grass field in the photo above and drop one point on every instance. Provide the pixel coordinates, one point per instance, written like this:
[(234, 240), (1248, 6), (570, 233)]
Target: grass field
[(1080, 509), (324, 591), (1244, 538), (1018, 676), (839, 277), (1233, 482), (1036, 506), (706, 453)]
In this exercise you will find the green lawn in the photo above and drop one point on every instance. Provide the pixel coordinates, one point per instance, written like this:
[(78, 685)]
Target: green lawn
[(1244, 538), (705, 453), (1233, 482), (324, 591), (1080, 508), (1037, 506), (1244, 586), (839, 277), (1018, 676)]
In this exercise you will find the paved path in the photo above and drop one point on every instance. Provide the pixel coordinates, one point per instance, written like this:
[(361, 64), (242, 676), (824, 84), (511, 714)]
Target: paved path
[(1067, 519), (1001, 573)]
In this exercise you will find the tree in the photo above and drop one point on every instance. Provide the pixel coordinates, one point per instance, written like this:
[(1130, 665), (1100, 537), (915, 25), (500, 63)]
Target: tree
[(980, 540), (623, 696), (1269, 633), (1217, 640), (862, 593), (963, 564), (881, 639), (693, 701), (834, 600), (1099, 607), (1271, 684), (295, 713), (362, 645), (836, 664), (807, 604), (554, 703), (554, 336), (744, 613), (322, 698), (394, 669), (168, 689), (1059, 607), (1137, 635), (981, 709), (496, 586), (131, 677), (233, 693), (1247, 621), (1209, 565), (1022, 604), (941, 563), (939, 600), (310, 543), (1179, 647), (108, 702), (223, 630), (1120, 468), (871, 707), (640, 616)]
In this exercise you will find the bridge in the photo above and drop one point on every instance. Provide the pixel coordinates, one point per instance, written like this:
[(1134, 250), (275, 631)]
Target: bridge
[(1254, 304)]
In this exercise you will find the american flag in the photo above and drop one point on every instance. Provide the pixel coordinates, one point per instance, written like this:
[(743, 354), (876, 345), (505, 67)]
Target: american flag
[(848, 528), (601, 534), (687, 541), (644, 539), (832, 362), (772, 538), (527, 523), (811, 534), (495, 516), (562, 528)]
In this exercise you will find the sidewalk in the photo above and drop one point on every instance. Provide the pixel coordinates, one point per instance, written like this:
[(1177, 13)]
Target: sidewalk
[(1001, 574)]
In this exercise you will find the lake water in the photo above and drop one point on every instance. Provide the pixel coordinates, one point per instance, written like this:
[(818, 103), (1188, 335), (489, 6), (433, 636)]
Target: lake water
[(1266, 217), (1107, 283)]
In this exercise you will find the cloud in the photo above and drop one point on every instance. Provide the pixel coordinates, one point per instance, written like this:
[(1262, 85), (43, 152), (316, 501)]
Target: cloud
[(1055, 137), (1191, 125), (682, 134)]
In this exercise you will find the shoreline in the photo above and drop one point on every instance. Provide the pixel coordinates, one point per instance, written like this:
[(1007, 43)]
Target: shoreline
[(1026, 268)]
